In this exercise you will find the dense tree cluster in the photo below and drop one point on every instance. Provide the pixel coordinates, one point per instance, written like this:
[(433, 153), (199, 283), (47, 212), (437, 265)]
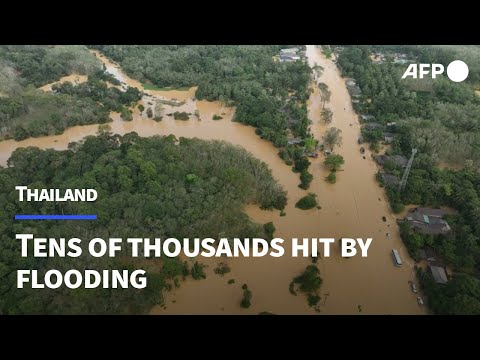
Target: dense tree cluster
[(97, 89), (39, 64), (152, 187), (438, 116), (27, 112), (309, 282)]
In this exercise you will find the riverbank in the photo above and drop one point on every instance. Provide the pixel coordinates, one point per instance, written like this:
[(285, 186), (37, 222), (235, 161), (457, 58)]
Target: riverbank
[(353, 207)]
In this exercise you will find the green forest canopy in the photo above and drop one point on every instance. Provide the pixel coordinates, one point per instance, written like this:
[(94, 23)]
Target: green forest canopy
[(442, 120), (28, 112), (241, 75), (154, 187)]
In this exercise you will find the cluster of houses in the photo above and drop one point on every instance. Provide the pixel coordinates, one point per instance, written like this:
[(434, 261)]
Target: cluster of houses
[(312, 154), (429, 221), (289, 55), (368, 122), (397, 58), (423, 220)]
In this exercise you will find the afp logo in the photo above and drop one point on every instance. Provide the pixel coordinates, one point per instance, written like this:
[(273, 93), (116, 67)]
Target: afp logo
[(457, 71)]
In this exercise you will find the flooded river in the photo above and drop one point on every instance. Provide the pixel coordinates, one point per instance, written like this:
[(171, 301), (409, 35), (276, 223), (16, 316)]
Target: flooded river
[(353, 207)]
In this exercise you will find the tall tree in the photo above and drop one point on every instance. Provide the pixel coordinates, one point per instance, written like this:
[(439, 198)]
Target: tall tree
[(334, 162), (332, 138), (325, 93), (327, 115)]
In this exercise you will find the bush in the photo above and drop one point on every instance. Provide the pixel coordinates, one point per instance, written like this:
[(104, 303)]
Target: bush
[(309, 283), (331, 178), (313, 300), (180, 115), (269, 229), (334, 162), (222, 269), (307, 202), (397, 207), (20, 133), (291, 288), (126, 114), (198, 271), (301, 164), (231, 281), (217, 117), (309, 280), (141, 107), (305, 178), (247, 296)]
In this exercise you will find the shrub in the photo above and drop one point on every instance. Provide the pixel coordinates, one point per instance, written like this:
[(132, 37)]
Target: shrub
[(307, 202), (305, 178), (247, 296), (222, 269), (198, 271), (180, 115), (331, 178), (269, 230), (397, 207)]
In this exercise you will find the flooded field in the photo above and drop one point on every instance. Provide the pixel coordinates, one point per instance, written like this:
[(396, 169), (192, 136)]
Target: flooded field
[(353, 207), (73, 78)]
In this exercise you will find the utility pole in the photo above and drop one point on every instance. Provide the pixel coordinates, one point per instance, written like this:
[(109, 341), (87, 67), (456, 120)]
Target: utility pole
[(403, 182)]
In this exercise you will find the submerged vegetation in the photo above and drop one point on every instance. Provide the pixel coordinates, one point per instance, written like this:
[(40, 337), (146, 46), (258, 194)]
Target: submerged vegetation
[(309, 282), (247, 296), (441, 119), (28, 112), (307, 202), (268, 95), (150, 186)]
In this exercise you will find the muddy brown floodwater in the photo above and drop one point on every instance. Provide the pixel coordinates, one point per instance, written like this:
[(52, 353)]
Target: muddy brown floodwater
[(73, 78), (353, 207)]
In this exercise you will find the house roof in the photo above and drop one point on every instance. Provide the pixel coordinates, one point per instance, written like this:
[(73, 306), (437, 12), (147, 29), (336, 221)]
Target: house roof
[(289, 56), (289, 50), (431, 212), (380, 159), (390, 179), (427, 253), (397, 159), (439, 274), (373, 125), (435, 228), (400, 160), (428, 221)]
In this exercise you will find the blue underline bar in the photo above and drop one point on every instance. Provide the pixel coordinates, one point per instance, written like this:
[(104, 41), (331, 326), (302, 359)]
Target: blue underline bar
[(55, 217)]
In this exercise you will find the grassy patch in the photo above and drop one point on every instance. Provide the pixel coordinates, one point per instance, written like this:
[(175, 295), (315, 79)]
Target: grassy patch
[(165, 88)]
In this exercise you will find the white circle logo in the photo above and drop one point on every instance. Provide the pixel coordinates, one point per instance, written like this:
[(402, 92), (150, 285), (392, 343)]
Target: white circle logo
[(457, 71)]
